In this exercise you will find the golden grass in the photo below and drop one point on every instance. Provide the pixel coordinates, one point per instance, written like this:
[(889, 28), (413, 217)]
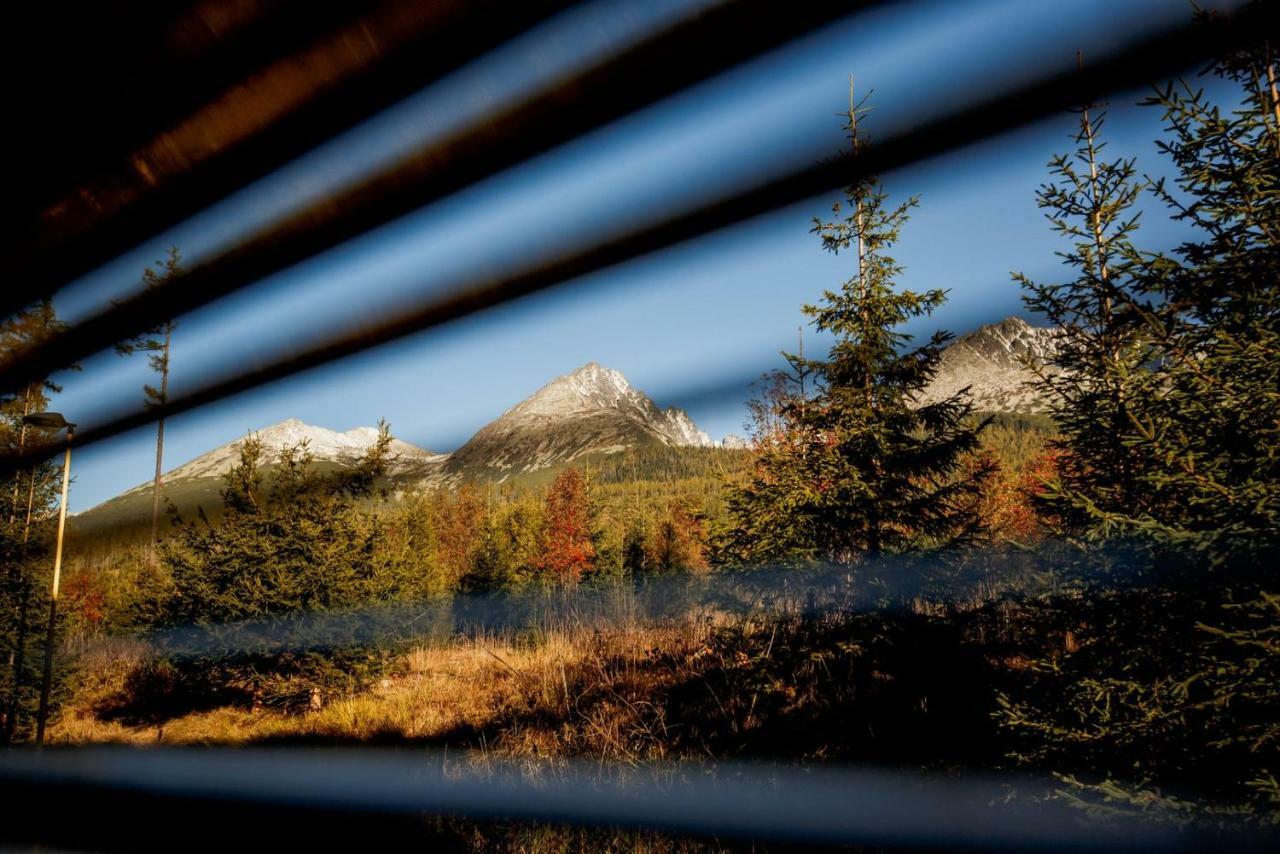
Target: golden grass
[(563, 691), (618, 688), (571, 689), (604, 681)]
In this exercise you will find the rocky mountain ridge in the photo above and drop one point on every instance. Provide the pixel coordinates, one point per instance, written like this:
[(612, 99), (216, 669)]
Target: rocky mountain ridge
[(324, 444), (591, 410), (992, 363)]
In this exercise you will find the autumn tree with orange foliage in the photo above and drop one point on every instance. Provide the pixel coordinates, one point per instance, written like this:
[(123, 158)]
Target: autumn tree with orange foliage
[(456, 521), (86, 598), (1011, 504), (567, 551), (680, 540)]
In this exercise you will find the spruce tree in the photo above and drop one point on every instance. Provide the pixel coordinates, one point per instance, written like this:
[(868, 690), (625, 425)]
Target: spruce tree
[(1214, 423), (291, 543), (1169, 395), (1173, 685), (1100, 370), (157, 342), (851, 466)]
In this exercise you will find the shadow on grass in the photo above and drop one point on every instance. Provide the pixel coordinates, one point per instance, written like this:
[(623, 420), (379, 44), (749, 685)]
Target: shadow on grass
[(894, 688), (882, 688), (155, 692)]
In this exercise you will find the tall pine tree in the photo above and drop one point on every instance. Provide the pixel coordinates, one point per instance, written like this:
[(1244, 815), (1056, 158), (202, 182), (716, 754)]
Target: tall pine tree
[(1173, 686), (1101, 369), (852, 467), (1214, 425), (157, 342), (1169, 397)]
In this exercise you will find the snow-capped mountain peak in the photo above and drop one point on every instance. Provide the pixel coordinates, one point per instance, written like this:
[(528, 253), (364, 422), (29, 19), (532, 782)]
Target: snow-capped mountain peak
[(593, 409), (594, 388), (589, 387), (322, 443), (594, 378), (1010, 341)]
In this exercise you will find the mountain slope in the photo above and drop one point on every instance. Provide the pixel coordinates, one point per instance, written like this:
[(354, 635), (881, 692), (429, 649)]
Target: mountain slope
[(990, 362), (325, 445), (591, 410), (198, 484)]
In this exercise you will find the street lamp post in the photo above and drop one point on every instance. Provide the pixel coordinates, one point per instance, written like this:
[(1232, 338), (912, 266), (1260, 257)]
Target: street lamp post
[(53, 421)]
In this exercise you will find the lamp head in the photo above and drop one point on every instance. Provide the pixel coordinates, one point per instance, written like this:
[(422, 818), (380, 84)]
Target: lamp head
[(47, 420)]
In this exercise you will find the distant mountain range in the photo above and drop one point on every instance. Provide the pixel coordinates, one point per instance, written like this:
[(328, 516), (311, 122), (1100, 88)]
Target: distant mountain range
[(593, 410)]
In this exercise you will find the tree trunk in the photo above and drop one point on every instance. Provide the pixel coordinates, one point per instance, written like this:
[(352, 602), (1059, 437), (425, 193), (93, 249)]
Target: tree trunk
[(155, 496), (860, 226), (1102, 250), (164, 398)]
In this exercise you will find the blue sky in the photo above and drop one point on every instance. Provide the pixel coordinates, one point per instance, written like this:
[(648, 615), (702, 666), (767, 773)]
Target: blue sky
[(711, 313)]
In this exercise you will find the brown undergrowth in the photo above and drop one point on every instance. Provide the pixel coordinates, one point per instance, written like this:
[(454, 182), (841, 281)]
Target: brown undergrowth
[(902, 687), (909, 687)]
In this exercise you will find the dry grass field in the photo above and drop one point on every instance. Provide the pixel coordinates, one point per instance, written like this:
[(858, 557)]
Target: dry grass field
[(899, 687), (502, 692)]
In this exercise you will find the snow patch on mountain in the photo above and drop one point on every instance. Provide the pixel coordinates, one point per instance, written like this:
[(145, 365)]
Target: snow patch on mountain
[(324, 445)]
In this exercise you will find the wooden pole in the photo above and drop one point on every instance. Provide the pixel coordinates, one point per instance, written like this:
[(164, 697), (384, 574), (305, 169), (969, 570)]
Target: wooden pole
[(50, 632)]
